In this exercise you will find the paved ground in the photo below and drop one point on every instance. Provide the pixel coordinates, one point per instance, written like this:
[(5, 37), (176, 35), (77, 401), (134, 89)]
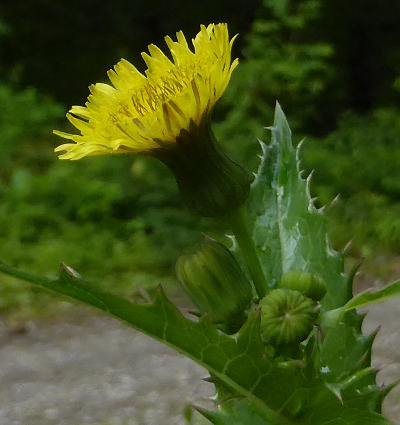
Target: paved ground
[(95, 370), (386, 353)]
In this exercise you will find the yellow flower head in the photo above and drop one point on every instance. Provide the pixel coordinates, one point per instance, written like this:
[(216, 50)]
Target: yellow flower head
[(141, 113)]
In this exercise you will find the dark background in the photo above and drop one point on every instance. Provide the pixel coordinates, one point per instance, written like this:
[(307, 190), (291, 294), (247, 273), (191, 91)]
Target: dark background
[(59, 47)]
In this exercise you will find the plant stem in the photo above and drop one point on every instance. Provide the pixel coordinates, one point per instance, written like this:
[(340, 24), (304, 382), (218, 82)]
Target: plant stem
[(239, 226)]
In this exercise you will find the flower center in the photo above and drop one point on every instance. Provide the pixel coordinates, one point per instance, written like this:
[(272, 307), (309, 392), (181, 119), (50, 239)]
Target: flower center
[(154, 93)]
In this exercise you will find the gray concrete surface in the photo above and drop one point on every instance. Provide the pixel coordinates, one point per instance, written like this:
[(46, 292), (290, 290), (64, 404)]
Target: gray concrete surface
[(386, 350), (85, 369)]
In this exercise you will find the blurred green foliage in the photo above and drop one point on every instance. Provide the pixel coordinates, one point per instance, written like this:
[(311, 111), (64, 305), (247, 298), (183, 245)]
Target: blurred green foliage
[(360, 160), (23, 115), (119, 220), (92, 215)]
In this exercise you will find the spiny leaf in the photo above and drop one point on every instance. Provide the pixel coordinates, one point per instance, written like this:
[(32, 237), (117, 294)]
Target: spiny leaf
[(343, 351), (325, 412), (385, 390), (353, 382), (236, 412), (350, 278), (240, 363), (368, 297), (290, 235), (288, 230), (328, 407), (328, 410)]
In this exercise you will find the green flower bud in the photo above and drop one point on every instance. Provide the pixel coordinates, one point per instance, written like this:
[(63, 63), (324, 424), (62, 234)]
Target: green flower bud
[(287, 317), (209, 181), (309, 284), (213, 280)]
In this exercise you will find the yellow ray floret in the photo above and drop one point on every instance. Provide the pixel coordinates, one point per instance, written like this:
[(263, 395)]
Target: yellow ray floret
[(140, 113)]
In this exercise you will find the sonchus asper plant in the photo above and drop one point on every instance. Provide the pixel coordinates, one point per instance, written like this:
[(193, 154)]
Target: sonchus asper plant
[(283, 345)]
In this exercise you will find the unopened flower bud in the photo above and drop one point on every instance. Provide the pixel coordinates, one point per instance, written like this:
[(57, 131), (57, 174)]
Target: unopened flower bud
[(287, 317), (213, 280), (309, 284)]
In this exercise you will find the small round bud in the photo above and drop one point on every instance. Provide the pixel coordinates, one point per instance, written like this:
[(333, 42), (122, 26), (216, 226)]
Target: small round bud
[(309, 284), (213, 280), (286, 317)]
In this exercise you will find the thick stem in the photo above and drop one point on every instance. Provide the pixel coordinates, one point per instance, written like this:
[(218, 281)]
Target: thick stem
[(239, 226)]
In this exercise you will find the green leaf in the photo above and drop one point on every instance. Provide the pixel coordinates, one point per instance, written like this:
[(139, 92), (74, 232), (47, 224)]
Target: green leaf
[(235, 412), (344, 350), (238, 362), (289, 232), (369, 297), (327, 409), (351, 417)]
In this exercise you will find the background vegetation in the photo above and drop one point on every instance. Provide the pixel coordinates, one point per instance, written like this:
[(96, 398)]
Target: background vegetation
[(120, 221)]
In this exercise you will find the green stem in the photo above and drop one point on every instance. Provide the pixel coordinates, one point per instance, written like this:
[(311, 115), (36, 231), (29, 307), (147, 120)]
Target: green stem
[(239, 226)]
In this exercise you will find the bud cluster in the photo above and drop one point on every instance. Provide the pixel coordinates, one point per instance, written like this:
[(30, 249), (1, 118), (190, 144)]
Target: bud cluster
[(309, 284), (289, 312)]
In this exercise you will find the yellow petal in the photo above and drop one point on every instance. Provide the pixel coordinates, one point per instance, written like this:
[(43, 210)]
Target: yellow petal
[(141, 112)]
